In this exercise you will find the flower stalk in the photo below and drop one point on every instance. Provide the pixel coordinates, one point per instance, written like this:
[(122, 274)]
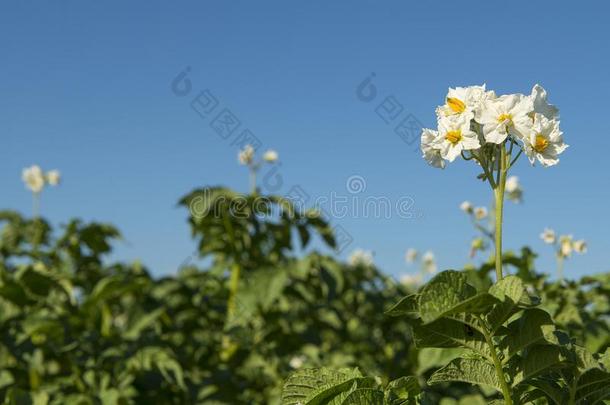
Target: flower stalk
[(499, 207)]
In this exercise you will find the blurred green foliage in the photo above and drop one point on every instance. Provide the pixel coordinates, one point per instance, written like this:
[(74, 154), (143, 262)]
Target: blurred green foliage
[(77, 328)]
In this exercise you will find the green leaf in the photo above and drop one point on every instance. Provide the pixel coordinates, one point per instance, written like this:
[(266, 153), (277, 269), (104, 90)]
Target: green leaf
[(305, 384), (508, 291), (364, 396), (448, 293), (447, 332), (473, 371), (535, 361), (593, 386), (402, 389), (406, 306), (532, 327)]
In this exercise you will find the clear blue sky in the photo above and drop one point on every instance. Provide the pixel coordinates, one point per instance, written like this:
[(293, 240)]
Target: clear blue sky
[(86, 88)]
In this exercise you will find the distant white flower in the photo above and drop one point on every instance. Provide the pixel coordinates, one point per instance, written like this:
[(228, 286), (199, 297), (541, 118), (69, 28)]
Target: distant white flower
[(270, 156), (508, 114), (545, 141), (411, 280), (513, 189), (467, 207), (565, 245), (541, 105), (455, 136), (411, 255), (297, 362), (548, 236), (53, 177), (431, 153), (33, 178), (476, 244), (429, 262), (580, 246), (361, 257), (246, 155), (480, 213)]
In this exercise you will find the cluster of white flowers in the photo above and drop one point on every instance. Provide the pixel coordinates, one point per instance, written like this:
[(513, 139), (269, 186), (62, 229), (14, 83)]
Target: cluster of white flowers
[(246, 156), (428, 266), (35, 179), (565, 244), (360, 257), (474, 119), (477, 213)]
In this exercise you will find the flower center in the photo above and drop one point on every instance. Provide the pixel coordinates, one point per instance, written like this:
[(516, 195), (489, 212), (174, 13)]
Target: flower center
[(541, 143), (454, 136), (456, 105), (508, 118)]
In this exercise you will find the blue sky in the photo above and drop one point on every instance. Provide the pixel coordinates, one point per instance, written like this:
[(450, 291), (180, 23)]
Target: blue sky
[(87, 88)]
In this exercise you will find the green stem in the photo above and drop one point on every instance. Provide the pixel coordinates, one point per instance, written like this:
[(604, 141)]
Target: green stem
[(499, 208), (560, 266), (497, 364), (36, 205), (252, 180), (233, 287)]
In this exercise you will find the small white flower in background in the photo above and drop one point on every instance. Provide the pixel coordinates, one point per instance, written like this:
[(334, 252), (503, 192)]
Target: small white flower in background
[(541, 105), (467, 207), (270, 156), (410, 255), (33, 178), (246, 155), (53, 177), (297, 362), (431, 153), (548, 236), (580, 246), (361, 257), (455, 136), (480, 213), (565, 245), (513, 189), (429, 262), (544, 141), (411, 280)]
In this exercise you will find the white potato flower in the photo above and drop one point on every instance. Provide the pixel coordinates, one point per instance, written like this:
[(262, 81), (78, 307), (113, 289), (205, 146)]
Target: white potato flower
[(411, 280), (480, 213), (580, 246), (360, 257), (545, 141), (541, 105), (270, 156), (455, 136), (565, 245), (508, 114), (467, 207), (53, 177), (462, 100), (513, 189), (429, 262), (246, 155), (431, 154), (33, 178), (297, 362), (411, 255), (548, 236)]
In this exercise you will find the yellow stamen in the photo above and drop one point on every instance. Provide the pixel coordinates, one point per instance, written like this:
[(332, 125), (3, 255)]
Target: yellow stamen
[(541, 143), (454, 136), (456, 105), (506, 117)]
